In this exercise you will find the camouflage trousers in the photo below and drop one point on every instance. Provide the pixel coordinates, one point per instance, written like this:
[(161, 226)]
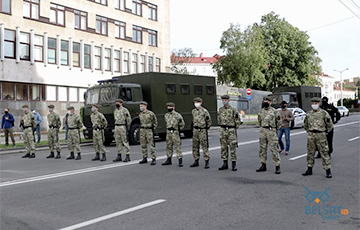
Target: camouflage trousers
[(121, 139), (318, 141), (228, 138), (29, 140), (147, 137), (200, 137), (98, 141), (73, 140), (53, 139), (173, 140), (269, 137)]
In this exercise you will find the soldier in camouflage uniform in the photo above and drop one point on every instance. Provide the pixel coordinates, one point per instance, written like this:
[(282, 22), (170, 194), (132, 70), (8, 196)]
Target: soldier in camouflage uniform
[(99, 123), (73, 140), (269, 122), (201, 124), (53, 132), (174, 123), (148, 123), (28, 122), (229, 121), (317, 124), (122, 124)]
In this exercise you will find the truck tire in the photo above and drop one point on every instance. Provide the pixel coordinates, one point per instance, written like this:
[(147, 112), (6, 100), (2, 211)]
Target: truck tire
[(134, 135)]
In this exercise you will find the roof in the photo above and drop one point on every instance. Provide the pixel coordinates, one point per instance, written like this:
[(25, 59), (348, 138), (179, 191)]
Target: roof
[(196, 60), (344, 89)]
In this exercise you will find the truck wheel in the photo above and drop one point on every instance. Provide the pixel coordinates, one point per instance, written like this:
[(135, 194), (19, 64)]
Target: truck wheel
[(134, 135), (188, 134)]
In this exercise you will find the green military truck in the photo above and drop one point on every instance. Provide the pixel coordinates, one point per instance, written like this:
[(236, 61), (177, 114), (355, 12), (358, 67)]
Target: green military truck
[(156, 89)]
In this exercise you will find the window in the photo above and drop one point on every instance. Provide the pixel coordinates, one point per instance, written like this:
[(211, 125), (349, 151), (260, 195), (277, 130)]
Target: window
[(62, 93), (64, 52), (117, 61), (107, 56), (92, 96), (87, 59), (134, 63), (82, 91), (151, 64), (9, 43), (97, 58), (126, 62), (8, 92), (152, 12), (34, 92), (51, 93), (38, 48), (76, 54), (136, 9), (157, 67), (152, 38), (185, 89), (80, 20), (210, 89), (198, 89), (120, 30), (120, 4), (5, 6), (101, 25), (52, 50), (137, 34), (170, 88), (103, 2), (108, 94), (21, 92), (31, 9), (125, 94), (57, 14), (142, 63), (24, 46), (73, 94)]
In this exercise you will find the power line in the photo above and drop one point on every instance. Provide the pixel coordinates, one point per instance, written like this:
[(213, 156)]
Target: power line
[(349, 9), (354, 3), (333, 23)]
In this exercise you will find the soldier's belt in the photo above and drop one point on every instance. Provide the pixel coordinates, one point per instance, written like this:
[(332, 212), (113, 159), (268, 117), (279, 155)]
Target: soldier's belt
[(316, 131), (25, 127), (53, 127), (227, 127), (97, 128), (171, 129), (73, 128), (267, 127), (120, 124), (143, 127)]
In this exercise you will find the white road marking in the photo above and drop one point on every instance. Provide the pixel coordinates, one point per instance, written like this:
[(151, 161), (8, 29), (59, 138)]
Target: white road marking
[(297, 157), (102, 218), (353, 139)]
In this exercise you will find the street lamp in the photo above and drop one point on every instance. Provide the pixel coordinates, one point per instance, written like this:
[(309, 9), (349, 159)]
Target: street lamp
[(341, 87)]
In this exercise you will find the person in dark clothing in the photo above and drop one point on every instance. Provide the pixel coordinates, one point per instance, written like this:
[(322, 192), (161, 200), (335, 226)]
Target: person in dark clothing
[(7, 124)]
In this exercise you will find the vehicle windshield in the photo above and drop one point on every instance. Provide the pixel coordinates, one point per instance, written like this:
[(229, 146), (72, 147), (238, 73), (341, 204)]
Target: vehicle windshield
[(92, 96), (108, 94)]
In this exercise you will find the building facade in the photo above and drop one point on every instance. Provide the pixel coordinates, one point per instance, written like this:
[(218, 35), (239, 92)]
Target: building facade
[(198, 65), (327, 87), (51, 51)]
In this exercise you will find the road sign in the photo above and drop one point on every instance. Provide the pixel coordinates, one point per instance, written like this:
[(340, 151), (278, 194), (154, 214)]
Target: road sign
[(248, 97), (248, 91)]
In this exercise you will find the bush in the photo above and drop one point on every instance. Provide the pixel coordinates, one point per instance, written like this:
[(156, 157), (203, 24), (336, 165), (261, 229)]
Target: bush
[(348, 102)]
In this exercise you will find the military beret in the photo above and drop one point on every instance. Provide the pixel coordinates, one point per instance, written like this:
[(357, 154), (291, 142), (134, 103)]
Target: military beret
[(267, 98), (283, 103), (95, 105), (198, 99), (70, 107), (225, 97), (143, 103), (172, 104), (51, 106), (25, 106), (315, 99), (119, 100)]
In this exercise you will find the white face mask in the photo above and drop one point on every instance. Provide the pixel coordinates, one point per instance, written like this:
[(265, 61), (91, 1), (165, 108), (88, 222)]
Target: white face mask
[(142, 108), (197, 104), (69, 112), (315, 107), (93, 109), (50, 110), (224, 102)]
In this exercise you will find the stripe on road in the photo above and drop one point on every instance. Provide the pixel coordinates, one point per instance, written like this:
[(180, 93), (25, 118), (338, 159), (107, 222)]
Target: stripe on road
[(353, 139), (294, 158), (99, 219)]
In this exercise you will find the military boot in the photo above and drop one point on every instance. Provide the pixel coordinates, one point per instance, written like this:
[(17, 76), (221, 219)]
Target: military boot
[(78, 156), (97, 157), (262, 168), (328, 173), (233, 166), (207, 164), (308, 172), (118, 158), (71, 157), (167, 162), (277, 169), (58, 155), (32, 155), (224, 166), (26, 155), (51, 155), (127, 158), (153, 162), (180, 162), (195, 164), (103, 157), (143, 161)]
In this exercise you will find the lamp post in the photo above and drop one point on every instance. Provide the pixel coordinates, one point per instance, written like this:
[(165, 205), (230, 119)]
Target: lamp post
[(341, 86)]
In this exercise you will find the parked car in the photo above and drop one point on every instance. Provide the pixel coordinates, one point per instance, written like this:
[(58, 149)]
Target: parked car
[(343, 110), (299, 117)]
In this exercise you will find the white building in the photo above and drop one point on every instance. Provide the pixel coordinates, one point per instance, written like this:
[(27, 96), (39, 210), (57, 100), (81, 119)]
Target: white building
[(347, 93), (327, 88), (200, 65)]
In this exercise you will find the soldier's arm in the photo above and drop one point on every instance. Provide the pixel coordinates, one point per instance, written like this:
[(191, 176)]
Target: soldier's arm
[(237, 119), (328, 122), (208, 119), (58, 121), (155, 122), (306, 123), (218, 117), (259, 119), (104, 121), (182, 122), (79, 122), (128, 119), (278, 120)]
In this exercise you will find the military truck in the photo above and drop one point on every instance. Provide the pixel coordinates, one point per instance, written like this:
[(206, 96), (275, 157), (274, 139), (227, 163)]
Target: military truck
[(295, 96), (156, 89)]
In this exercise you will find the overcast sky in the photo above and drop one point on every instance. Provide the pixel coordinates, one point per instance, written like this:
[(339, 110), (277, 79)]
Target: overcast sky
[(199, 24)]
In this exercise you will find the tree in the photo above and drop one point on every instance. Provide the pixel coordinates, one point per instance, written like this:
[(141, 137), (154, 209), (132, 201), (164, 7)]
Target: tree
[(179, 58), (270, 54)]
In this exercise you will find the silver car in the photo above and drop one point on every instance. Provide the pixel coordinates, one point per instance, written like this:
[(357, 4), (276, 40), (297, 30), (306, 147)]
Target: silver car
[(299, 117), (343, 110)]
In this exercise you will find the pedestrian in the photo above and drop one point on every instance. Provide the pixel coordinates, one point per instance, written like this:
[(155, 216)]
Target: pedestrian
[(99, 123), (286, 117), (269, 122), (122, 124), (37, 129), (73, 141), (335, 117), (65, 126), (28, 122), (53, 132), (148, 122), (7, 125), (201, 123), (317, 124), (174, 123), (229, 121)]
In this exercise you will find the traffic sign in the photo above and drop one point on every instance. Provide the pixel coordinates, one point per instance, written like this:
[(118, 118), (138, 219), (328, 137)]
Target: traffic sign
[(248, 91), (248, 97)]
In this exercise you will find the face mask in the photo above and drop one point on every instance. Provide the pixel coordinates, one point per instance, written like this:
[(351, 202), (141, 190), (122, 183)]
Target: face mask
[(69, 112), (197, 104), (93, 109), (6, 112), (283, 106), (24, 110), (142, 109), (170, 109), (224, 102), (315, 107), (266, 104), (117, 106), (50, 110)]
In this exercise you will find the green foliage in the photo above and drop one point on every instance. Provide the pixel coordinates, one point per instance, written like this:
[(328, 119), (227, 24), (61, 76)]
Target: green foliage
[(179, 58), (348, 102)]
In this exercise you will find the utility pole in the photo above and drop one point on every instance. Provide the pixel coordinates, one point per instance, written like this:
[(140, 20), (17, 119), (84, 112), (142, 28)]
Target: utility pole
[(341, 84)]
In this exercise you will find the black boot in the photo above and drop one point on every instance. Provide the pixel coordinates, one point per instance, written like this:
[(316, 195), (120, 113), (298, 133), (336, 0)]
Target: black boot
[(97, 157), (118, 158), (153, 162), (328, 173), (26, 155), (32, 155), (127, 158), (262, 168), (71, 157), (308, 172), (224, 166), (207, 164), (58, 155), (78, 156), (233, 166), (277, 169), (103, 157), (180, 162), (143, 161), (318, 156), (167, 162), (51, 155), (195, 164)]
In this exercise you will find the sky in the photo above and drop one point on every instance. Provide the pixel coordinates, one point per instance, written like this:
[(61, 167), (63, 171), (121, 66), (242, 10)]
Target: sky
[(333, 29)]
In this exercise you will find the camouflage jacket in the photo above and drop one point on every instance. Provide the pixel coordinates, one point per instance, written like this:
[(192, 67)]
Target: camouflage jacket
[(174, 120), (74, 121), (122, 116), (28, 119), (229, 116), (54, 120), (98, 120), (318, 120), (148, 119), (201, 118), (269, 118)]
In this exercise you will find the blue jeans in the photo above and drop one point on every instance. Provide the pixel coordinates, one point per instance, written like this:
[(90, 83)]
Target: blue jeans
[(287, 138), (37, 130)]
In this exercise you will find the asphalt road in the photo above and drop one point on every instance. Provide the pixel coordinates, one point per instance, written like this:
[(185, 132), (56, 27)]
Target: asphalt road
[(46, 194)]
